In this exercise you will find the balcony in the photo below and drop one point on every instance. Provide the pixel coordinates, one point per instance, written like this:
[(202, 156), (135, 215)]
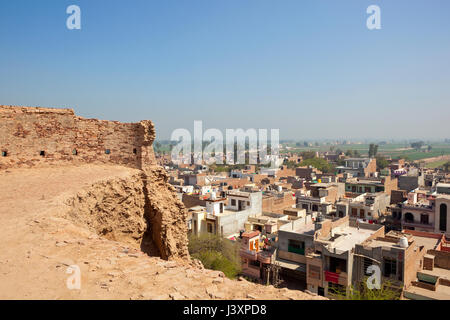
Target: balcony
[(265, 257), (248, 254), (417, 224)]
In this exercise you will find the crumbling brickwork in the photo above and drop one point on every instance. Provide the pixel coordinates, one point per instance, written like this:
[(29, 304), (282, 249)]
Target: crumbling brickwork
[(32, 137), (44, 137)]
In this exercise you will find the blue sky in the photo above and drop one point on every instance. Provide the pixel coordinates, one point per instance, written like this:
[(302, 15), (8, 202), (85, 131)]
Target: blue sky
[(310, 68)]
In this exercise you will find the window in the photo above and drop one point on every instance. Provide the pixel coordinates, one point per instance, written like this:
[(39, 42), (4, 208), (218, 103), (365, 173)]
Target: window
[(107, 151), (409, 217), (400, 271), (341, 214), (42, 153), (4, 153), (135, 151), (366, 264), (354, 212), (443, 217), (296, 246), (248, 203), (210, 227), (390, 267), (361, 213), (233, 202), (254, 263), (337, 265), (424, 218), (315, 208), (74, 152)]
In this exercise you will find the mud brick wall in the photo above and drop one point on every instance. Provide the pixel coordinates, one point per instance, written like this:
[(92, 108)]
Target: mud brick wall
[(33, 137)]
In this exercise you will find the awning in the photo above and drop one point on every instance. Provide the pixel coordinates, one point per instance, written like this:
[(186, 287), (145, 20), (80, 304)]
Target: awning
[(291, 265)]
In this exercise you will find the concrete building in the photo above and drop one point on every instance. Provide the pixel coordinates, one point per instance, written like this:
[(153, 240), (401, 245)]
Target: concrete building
[(330, 262), (277, 201), (370, 185), (318, 253), (227, 216), (359, 167), (431, 214), (368, 206), (330, 191), (443, 188), (313, 204), (433, 280), (291, 248), (307, 173), (398, 255), (411, 181), (257, 256)]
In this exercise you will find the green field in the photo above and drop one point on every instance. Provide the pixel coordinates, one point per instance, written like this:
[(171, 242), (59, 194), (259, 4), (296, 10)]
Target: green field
[(394, 150), (436, 164)]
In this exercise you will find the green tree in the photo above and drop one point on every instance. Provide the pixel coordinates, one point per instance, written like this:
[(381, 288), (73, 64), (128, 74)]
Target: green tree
[(417, 145), (387, 291), (308, 154), (319, 163), (381, 162), (447, 166), (216, 253), (373, 150)]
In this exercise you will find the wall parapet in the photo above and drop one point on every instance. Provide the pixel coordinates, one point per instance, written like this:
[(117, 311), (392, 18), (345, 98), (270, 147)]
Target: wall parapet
[(36, 137)]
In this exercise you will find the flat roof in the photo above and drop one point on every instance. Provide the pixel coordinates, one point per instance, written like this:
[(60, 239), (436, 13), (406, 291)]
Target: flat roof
[(445, 185), (350, 236), (428, 243), (307, 229), (442, 292)]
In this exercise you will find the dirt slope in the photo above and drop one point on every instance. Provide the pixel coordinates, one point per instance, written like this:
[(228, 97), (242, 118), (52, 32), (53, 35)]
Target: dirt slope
[(51, 219)]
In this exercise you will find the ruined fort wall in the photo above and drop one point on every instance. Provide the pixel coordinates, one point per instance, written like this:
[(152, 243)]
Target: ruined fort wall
[(31, 137), (147, 211)]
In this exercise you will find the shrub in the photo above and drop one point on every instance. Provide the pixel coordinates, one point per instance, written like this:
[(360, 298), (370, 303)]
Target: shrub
[(216, 253), (387, 291)]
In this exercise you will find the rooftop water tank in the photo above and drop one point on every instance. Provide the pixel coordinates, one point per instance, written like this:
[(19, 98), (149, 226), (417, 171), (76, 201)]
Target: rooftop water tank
[(403, 243)]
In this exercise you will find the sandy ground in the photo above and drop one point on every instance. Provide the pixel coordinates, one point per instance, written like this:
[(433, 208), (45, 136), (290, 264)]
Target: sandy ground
[(38, 246)]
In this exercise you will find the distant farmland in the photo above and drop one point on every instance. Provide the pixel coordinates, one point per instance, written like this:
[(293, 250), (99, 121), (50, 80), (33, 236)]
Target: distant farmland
[(395, 150)]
